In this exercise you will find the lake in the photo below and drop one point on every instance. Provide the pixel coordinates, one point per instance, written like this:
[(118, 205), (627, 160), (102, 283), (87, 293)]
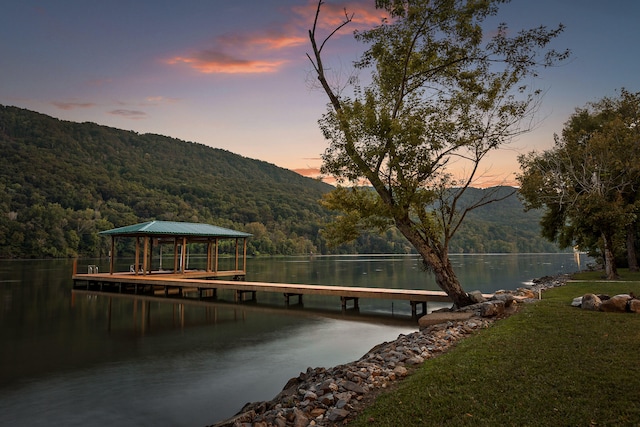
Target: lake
[(77, 359)]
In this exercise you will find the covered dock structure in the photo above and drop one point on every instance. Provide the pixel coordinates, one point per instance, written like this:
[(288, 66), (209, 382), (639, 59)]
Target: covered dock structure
[(179, 235)]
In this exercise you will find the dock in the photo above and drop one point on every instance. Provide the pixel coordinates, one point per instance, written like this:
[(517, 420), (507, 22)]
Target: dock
[(200, 285), (146, 275)]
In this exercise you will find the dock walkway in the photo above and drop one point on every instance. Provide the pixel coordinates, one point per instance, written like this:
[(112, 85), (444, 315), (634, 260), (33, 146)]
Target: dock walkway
[(197, 282)]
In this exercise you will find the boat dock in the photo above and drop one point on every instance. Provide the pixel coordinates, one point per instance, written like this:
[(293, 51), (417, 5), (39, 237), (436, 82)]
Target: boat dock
[(147, 277), (201, 286)]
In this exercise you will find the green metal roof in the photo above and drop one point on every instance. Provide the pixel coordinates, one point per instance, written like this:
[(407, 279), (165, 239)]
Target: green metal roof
[(171, 228)]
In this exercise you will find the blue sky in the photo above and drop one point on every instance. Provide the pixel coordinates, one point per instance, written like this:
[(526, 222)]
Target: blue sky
[(234, 75)]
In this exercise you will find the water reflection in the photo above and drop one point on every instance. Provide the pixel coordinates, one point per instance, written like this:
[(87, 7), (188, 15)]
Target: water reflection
[(86, 359)]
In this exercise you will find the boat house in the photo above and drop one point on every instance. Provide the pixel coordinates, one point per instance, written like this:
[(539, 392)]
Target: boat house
[(180, 236)]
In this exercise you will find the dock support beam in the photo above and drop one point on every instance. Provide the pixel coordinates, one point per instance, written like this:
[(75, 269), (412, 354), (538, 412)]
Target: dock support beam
[(414, 310), (288, 295), (344, 300), (240, 296)]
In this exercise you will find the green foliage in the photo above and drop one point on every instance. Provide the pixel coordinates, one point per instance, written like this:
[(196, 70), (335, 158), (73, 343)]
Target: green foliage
[(440, 91), (588, 182), (61, 183)]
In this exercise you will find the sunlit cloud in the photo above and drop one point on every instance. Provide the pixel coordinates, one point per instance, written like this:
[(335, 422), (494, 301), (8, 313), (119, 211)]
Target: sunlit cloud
[(73, 105), (208, 62), (362, 14), (129, 114), (269, 50)]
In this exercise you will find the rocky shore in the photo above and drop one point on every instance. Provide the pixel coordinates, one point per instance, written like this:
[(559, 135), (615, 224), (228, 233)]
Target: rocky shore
[(332, 396)]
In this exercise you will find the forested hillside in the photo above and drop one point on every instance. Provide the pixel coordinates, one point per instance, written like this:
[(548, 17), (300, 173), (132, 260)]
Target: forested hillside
[(63, 182)]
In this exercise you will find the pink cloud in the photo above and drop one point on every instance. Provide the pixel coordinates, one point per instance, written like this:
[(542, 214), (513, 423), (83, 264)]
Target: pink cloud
[(73, 105), (209, 61), (129, 114), (267, 51)]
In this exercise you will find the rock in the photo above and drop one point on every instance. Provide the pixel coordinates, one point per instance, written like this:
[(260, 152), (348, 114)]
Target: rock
[(507, 298), (442, 317), (527, 293), (476, 296), (300, 419), (337, 415), (415, 360), (326, 397), (492, 308), (351, 386), (591, 302), (400, 371), (616, 304)]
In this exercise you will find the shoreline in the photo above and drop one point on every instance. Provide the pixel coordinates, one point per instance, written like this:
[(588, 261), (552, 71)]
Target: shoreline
[(327, 396)]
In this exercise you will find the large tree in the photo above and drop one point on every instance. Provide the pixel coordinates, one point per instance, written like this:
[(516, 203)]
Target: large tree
[(589, 181), (441, 93)]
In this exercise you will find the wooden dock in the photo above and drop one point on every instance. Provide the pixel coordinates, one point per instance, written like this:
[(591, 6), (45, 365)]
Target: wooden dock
[(198, 282)]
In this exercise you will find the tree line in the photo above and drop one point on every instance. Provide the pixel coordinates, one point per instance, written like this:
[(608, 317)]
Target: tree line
[(588, 183), (61, 183)]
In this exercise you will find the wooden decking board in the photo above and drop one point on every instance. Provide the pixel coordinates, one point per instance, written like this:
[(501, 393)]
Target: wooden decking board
[(289, 288), (189, 281)]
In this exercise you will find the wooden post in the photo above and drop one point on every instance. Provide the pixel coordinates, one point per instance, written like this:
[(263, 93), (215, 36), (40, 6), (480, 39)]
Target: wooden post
[(137, 261), (184, 254), (237, 254), (113, 254), (145, 255), (216, 257), (175, 255), (208, 255), (150, 255), (244, 258)]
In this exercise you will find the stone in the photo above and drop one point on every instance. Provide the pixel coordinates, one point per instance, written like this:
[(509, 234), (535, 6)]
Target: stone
[(300, 419), (415, 360), (615, 304), (492, 308), (317, 412), (591, 302), (400, 371), (351, 386), (527, 293), (507, 298), (442, 317), (337, 415), (476, 296)]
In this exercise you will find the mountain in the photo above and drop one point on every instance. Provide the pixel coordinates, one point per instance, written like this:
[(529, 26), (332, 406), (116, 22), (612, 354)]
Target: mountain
[(62, 182), (500, 227)]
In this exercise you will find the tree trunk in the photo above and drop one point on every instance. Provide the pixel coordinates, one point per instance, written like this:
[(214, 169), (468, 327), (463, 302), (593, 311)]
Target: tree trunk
[(439, 264), (632, 257), (609, 258)]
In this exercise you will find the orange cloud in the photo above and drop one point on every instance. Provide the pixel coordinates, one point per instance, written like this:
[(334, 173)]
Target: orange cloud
[(73, 105), (267, 51), (209, 62), (365, 15)]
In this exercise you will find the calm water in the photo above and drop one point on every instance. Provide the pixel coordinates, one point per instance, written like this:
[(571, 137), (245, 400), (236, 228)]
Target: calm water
[(98, 360)]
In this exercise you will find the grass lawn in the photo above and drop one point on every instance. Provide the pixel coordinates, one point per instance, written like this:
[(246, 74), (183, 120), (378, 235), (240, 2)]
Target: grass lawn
[(548, 365)]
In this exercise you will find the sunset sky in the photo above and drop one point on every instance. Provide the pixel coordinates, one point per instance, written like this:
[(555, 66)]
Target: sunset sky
[(234, 75)]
